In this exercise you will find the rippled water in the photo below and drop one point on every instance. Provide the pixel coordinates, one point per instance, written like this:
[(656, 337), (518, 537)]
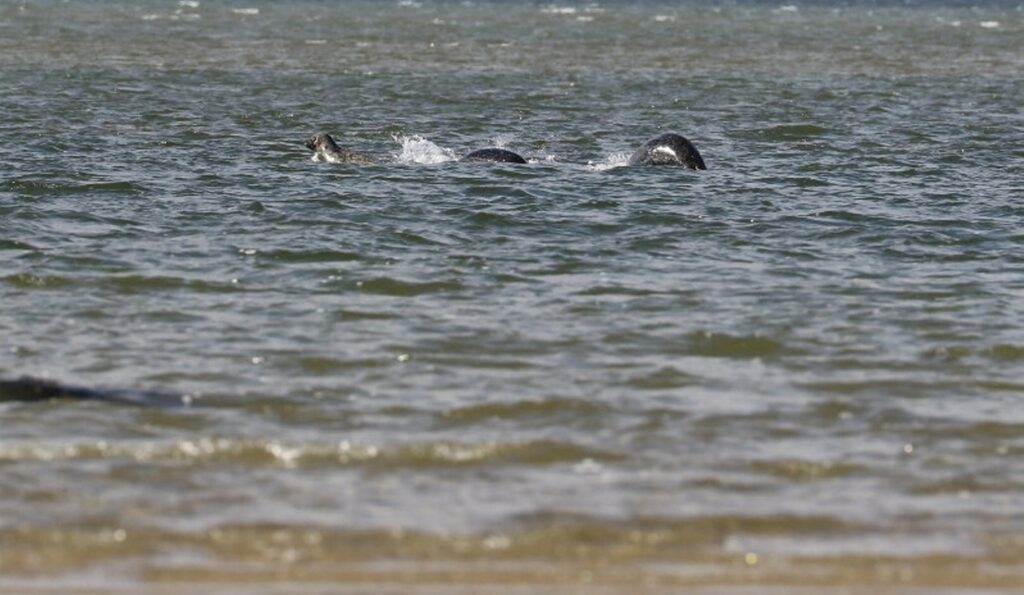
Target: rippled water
[(802, 367)]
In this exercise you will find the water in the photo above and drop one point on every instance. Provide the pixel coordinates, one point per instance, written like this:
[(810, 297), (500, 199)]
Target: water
[(800, 368)]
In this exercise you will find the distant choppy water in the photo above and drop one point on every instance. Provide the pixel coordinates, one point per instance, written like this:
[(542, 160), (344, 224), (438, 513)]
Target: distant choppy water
[(802, 366)]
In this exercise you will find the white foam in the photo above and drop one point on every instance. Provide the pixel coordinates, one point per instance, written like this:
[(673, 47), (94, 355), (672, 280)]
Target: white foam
[(189, 3), (610, 162), (989, 24), (245, 10), (416, 149)]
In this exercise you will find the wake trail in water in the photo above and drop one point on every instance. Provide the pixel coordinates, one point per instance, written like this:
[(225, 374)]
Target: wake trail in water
[(610, 162)]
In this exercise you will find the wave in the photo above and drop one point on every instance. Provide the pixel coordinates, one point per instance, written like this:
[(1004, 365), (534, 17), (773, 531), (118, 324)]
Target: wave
[(279, 453)]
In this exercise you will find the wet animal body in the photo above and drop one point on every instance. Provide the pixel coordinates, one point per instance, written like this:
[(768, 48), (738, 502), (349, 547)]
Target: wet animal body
[(668, 149), (494, 155), (325, 149), (28, 389)]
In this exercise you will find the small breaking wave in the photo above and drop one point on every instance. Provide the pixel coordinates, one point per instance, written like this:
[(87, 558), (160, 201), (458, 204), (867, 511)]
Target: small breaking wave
[(262, 453)]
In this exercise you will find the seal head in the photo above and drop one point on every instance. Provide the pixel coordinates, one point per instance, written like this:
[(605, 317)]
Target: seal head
[(325, 149), (494, 155), (668, 149)]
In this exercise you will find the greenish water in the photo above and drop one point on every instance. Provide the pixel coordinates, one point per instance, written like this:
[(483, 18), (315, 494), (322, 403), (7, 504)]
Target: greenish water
[(811, 353)]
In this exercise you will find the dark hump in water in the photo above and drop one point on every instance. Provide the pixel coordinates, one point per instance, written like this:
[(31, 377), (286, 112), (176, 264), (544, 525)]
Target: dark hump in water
[(28, 389), (668, 149), (327, 149), (494, 155)]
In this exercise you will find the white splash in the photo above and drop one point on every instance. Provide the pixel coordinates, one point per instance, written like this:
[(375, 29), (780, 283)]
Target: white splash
[(989, 24), (502, 140), (246, 10), (416, 149), (610, 162)]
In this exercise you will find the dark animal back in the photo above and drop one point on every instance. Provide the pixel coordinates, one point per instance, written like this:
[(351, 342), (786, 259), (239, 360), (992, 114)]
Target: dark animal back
[(28, 389), (668, 149), (493, 154)]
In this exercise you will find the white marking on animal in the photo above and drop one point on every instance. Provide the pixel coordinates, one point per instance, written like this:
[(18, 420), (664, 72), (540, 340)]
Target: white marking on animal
[(665, 150)]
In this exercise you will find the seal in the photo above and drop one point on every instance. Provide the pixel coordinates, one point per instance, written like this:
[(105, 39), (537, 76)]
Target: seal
[(31, 390), (325, 149), (494, 155), (668, 149)]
